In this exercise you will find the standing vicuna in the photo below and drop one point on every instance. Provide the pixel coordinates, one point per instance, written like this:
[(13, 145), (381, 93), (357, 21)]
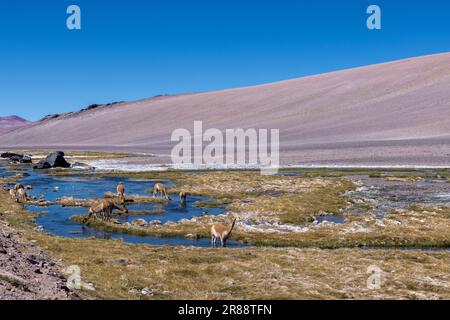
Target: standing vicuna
[(121, 192), (161, 189), (183, 196), (220, 231)]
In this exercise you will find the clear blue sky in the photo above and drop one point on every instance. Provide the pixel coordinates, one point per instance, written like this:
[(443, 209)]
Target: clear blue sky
[(135, 49)]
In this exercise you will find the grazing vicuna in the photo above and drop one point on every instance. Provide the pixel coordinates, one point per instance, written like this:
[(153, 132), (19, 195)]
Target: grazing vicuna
[(18, 193), (161, 189), (121, 192), (21, 195), (220, 231), (13, 194), (104, 208)]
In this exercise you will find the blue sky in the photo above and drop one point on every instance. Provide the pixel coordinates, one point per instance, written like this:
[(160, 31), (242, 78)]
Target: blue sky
[(135, 49)]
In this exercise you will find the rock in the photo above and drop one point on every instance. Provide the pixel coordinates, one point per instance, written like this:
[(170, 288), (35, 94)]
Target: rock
[(14, 157), (8, 155), (139, 222), (63, 287), (192, 236), (32, 259), (26, 159), (155, 223), (53, 160), (88, 286), (79, 164), (82, 165), (147, 291), (121, 262), (42, 165), (13, 279)]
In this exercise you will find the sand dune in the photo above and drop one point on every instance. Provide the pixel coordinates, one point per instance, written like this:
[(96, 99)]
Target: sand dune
[(391, 113)]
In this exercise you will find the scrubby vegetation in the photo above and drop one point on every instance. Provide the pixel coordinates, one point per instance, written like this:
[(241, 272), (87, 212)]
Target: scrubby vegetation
[(123, 271), (276, 211)]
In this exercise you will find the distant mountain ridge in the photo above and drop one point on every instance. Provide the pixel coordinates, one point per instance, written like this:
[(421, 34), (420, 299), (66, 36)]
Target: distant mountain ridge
[(13, 122)]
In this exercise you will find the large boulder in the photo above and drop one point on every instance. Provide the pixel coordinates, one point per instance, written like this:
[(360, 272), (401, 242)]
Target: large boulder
[(27, 159), (24, 159), (53, 160), (16, 158), (8, 155)]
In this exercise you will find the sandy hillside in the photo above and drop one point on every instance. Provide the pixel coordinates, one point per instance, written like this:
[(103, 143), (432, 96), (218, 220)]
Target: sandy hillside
[(392, 113)]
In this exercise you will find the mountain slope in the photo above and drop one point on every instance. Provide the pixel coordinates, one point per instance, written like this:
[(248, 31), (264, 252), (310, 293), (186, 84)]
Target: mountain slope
[(393, 113), (12, 122)]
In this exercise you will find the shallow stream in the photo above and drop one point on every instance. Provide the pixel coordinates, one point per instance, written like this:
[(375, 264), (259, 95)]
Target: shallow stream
[(56, 219)]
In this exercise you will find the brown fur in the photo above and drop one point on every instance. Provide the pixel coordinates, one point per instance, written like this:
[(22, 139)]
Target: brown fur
[(18, 193), (220, 231), (21, 195), (121, 192), (183, 196), (105, 208), (161, 189), (13, 194)]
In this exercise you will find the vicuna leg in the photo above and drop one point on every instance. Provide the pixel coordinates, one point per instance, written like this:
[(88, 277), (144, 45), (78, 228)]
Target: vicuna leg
[(108, 213), (86, 219), (102, 215)]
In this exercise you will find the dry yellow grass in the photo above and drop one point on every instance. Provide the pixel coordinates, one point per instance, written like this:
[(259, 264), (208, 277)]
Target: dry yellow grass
[(122, 271), (293, 202), (420, 228)]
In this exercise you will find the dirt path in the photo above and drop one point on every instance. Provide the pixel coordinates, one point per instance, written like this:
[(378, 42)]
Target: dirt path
[(26, 273)]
